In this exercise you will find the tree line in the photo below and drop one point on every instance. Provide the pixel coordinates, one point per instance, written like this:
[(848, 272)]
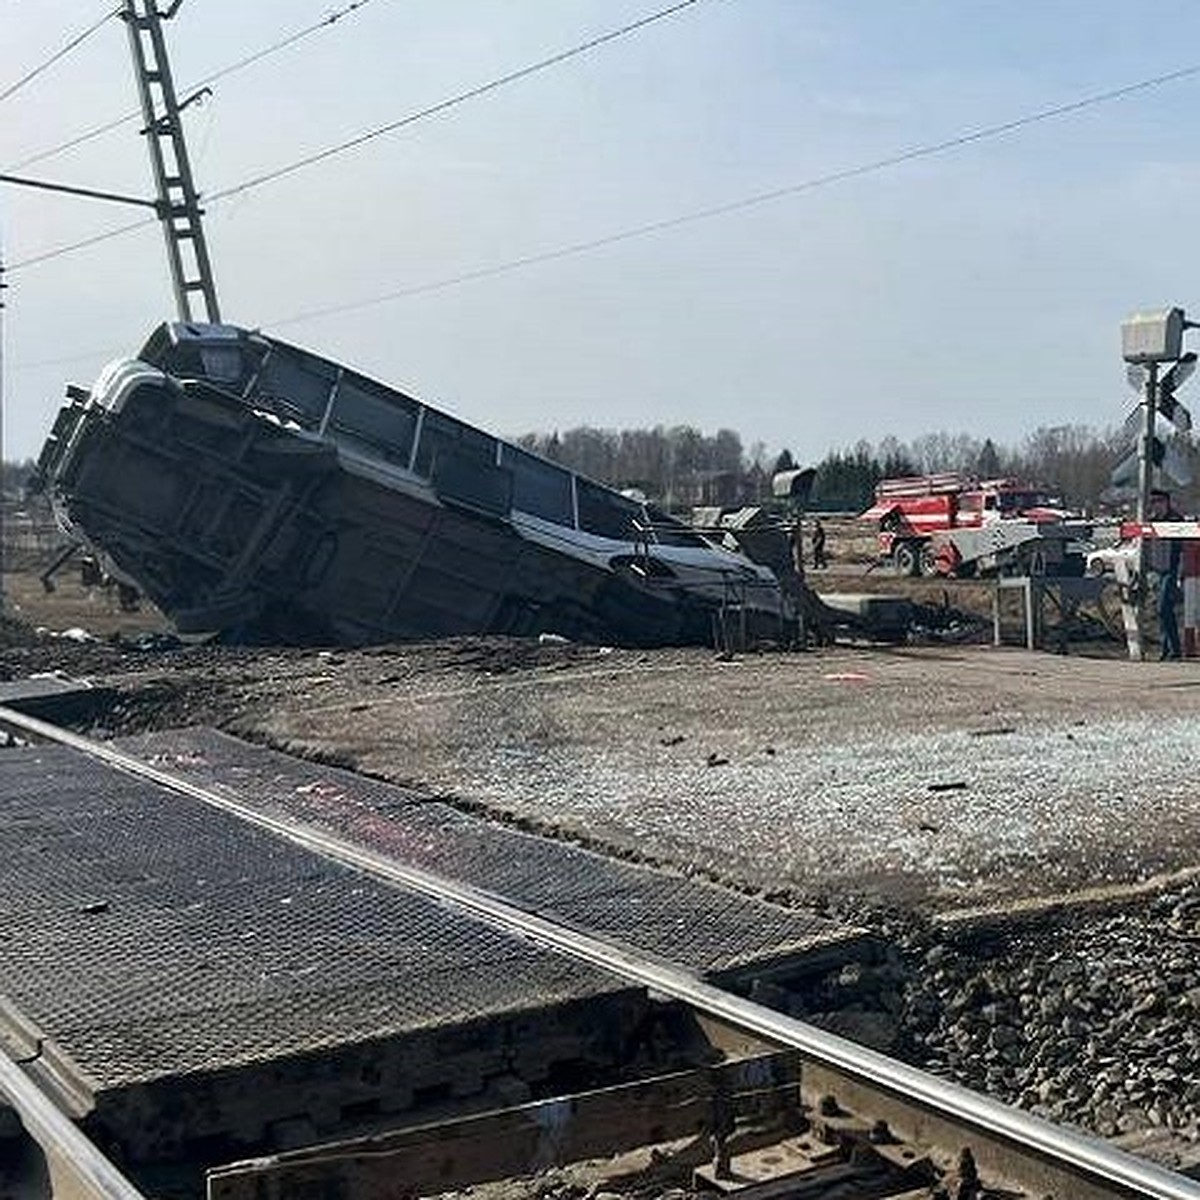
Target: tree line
[(677, 466), (15, 477), (681, 466)]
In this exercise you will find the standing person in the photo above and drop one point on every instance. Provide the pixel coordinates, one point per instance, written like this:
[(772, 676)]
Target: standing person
[(818, 545), (798, 548), (794, 585), (1168, 560)]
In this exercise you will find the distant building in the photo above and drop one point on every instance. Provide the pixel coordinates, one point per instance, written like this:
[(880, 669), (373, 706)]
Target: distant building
[(720, 489)]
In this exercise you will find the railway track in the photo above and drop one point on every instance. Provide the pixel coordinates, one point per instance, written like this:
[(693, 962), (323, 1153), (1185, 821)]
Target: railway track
[(978, 1146)]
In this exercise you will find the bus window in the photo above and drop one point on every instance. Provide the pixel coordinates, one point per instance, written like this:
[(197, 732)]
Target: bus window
[(296, 385), (539, 488), (380, 419), (440, 432), (606, 513)]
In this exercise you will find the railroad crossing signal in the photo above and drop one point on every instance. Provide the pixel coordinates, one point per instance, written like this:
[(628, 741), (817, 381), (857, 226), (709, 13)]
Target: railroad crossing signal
[(1168, 405), (1174, 412), (1168, 456), (1153, 337), (1149, 342), (1125, 473)]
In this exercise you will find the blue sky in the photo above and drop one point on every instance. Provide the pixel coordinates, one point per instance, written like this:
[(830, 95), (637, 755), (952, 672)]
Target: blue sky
[(979, 290)]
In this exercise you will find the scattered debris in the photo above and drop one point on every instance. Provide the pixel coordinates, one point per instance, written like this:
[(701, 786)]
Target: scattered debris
[(943, 623), (151, 643), (74, 634)]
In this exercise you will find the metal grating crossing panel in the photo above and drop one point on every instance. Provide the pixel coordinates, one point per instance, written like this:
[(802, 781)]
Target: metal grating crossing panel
[(150, 935), (699, 925)]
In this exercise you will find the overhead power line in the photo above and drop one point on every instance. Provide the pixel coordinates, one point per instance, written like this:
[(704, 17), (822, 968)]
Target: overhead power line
[(719, 210), (78, 140), (82, 244), (267, 51), (412, 118), (77, 40), (927, 150), (461, 98), (250, 59)]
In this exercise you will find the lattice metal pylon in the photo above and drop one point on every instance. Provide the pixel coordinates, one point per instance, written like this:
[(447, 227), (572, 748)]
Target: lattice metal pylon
[(178, 202)]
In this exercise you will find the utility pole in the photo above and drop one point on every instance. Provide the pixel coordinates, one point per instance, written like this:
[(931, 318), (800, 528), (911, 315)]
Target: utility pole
[(178, 202), (1133, 582), (1146, 444)]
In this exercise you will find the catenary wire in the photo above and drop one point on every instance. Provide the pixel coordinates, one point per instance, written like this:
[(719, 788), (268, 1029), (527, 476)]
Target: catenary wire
[(77, 40), (82, 244), (249, 60), (411, 118), (718, 210), (927, 150), (453, 101), (78, 140)]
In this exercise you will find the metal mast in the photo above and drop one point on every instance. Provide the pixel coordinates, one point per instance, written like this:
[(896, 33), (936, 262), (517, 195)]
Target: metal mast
[(1145, 444), (178, 202)]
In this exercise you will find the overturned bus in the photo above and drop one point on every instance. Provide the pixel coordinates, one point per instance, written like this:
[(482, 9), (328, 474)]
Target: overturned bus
[(255, 490)]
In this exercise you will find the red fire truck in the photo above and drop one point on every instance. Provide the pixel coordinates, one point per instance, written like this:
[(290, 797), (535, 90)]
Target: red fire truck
[(952, 524)]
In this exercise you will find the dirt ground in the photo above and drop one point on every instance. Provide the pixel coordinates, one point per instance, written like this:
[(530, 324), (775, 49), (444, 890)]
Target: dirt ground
[(935, 777), (907, 786)]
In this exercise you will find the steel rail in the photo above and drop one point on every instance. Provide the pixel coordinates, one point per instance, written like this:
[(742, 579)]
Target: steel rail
[(1062, 1147), (65, 1147)]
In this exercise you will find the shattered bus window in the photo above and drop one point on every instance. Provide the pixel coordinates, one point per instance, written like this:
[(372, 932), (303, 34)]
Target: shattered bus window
[(295, 386), (607, 513)]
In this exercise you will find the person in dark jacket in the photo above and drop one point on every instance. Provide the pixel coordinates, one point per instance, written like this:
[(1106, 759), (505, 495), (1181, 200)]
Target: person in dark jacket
[(1171, 551), (818, 545)]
